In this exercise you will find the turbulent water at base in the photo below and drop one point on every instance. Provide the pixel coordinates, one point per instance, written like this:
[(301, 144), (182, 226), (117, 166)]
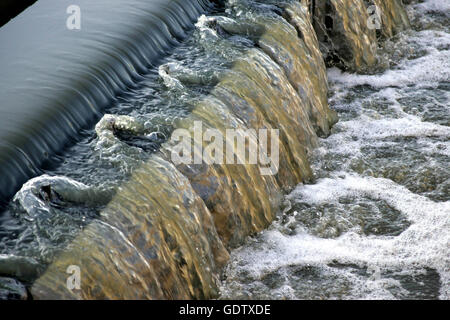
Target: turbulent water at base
[(136, 224), (375, 224), (141, 226)]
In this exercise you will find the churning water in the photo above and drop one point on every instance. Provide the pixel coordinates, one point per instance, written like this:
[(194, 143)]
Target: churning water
[(376, 222), (82, 179)]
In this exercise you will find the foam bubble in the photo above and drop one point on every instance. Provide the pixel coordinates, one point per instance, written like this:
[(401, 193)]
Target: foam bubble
[(425, 244), (434, 5), (393, 125), (427, 70)]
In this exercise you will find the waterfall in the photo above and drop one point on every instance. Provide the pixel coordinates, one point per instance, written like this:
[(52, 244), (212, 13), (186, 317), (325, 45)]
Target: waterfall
[(59, 81), (166, 232)]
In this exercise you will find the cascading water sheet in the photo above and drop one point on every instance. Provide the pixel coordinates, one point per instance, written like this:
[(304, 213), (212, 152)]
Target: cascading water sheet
[(58, 75), (361, 208), (376, 223)]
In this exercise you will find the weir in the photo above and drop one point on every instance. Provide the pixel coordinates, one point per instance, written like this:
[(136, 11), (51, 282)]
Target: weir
[(166, 232), (57, 81)]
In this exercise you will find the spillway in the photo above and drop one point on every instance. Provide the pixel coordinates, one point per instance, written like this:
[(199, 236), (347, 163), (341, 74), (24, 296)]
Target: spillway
[(57, 81), (91, 120)]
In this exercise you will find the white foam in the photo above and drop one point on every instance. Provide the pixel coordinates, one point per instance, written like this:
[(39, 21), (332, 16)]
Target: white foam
[(28, 197), (166, 71), (409, 126), (365, 131), (425, 244), (424, 71), (442, 6)]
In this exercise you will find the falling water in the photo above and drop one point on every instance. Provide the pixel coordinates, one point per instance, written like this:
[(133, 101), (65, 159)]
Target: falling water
[(58, 81), (375, 223), (348, 208)]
